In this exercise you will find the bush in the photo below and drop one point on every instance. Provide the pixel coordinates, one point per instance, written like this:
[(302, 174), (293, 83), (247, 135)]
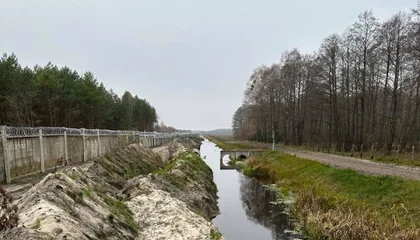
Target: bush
[(248, 171)]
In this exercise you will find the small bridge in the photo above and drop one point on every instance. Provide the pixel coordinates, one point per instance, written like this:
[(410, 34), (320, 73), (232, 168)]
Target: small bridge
[(237, 154)]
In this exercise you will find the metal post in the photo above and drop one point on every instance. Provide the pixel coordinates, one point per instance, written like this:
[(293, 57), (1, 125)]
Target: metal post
[(41, 150), (6, 155)]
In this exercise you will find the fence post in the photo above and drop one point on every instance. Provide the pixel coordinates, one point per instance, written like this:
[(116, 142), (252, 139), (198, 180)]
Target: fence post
[(371, 153), (6, 156), (134, 136), (66, 154), (352, 150), (41, 150), (84, 144), (397, 151), (412, 153), (361, 150), (342, 149), (383, 150), (99, 143)]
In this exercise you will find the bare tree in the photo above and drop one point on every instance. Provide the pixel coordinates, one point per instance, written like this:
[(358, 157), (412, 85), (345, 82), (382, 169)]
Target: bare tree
[(362, 88)]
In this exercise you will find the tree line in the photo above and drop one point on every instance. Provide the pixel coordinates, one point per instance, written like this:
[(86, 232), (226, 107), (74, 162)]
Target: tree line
[(361, 87), (61, 97)]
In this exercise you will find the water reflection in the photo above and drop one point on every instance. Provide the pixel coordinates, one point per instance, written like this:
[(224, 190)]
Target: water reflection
[(245, 204), (257, 201)]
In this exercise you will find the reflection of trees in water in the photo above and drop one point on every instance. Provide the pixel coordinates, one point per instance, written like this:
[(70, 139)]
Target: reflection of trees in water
[(257, 203)]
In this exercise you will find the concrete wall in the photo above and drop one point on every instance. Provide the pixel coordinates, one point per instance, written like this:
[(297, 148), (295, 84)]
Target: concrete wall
[(24, 153), (2, 171)]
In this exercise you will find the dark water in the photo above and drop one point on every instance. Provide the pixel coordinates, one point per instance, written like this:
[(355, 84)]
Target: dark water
[(247, 209)]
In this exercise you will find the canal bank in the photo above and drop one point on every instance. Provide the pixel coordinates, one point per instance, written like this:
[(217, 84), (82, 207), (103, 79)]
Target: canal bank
[(339, 203), (247, 207), (133, 193)]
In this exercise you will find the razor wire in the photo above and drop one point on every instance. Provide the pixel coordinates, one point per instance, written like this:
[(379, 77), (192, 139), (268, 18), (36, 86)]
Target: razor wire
[(23, 132)]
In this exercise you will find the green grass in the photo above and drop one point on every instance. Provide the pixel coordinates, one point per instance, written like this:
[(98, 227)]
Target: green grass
[(192, 165), (215, 234), (118, 208), (324, 195), (87, 193), (230, 145), (74, 175)]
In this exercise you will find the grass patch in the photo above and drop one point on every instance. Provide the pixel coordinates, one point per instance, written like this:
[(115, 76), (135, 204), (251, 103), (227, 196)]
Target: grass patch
[(230, 145), (87, 193), (215, 234), (74, 175), (239, 164), (24, 169), (118, 208), (190, 164), (127, 165), (343, 204), (399, 161)]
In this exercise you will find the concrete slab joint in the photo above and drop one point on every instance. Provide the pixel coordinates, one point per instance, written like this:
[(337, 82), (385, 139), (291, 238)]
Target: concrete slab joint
[(84, 144), (6, 155), (41, 151), (66, 153), (99, 142)]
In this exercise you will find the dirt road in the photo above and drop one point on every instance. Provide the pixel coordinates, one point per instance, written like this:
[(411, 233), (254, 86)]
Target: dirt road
[(357, 164)]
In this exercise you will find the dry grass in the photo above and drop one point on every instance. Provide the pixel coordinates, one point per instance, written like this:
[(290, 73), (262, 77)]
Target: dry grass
[(324, 216), (342, 204), (403, 157), (223, 144)]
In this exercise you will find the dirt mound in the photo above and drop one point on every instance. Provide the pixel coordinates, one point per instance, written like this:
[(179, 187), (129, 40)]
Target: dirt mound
[(129, 194)]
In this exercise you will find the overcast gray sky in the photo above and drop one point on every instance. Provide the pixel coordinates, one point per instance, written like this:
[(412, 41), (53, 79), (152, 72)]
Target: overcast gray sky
[(191, 59)]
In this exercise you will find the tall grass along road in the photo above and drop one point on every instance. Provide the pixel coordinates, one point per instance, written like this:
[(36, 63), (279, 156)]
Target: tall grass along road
[(359, 165)]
